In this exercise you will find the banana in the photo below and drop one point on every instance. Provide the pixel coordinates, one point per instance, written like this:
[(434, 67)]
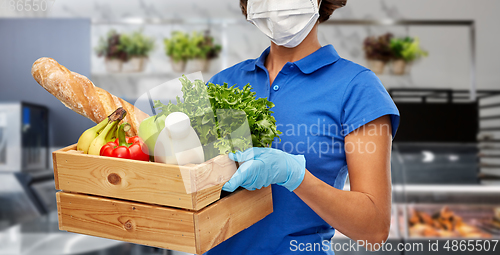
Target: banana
[(89, 135), (108, 133), (111, 137), (102, 138), (110, 125)]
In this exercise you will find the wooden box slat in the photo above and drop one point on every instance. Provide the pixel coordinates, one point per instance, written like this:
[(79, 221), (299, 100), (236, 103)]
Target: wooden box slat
[(231, 215), (189, 187), (160, 226)]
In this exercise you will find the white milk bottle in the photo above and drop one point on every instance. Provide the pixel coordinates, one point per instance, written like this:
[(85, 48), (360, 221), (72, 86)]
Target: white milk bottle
[(178, 143)]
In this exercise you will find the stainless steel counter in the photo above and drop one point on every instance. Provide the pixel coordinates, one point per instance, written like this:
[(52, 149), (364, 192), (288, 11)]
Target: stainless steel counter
[(41, 236), (15, 205)]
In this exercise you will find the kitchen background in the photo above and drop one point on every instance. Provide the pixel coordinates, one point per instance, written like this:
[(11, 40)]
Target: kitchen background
[(447, 160)]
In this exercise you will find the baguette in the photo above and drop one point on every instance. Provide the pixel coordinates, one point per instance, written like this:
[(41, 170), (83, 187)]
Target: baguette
[(79, 94)]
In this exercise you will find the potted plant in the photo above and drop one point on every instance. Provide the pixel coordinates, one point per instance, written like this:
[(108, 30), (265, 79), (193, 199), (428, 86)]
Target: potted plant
[(405, 51), (202, 50), (378, 52), (213, 50), (178, 49), (109, 48), (137, 47)]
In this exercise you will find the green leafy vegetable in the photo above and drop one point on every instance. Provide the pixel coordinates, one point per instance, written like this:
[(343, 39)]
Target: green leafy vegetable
[(202, 46), (378, 47), (407, 49), (110, 47), (197, 45), (124, 46), (136, 44), (178, 46), (218, 111)]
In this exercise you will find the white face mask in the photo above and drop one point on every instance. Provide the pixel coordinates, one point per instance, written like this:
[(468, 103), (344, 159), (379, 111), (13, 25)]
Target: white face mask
[(286, 22)]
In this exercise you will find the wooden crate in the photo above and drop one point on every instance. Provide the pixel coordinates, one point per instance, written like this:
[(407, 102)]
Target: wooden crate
[(189, 187), (160, 226), (171, 207)]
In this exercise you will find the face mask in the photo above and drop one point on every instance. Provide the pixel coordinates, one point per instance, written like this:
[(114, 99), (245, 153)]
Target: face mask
[(286, 22)]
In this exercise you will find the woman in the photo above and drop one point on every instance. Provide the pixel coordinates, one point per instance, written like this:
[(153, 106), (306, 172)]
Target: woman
[(336, 118)]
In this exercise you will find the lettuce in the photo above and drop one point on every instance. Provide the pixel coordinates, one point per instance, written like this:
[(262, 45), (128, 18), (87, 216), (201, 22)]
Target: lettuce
[(218, 111)]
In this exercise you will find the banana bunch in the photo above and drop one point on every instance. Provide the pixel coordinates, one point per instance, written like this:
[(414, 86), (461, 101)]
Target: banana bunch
[(92, 140)]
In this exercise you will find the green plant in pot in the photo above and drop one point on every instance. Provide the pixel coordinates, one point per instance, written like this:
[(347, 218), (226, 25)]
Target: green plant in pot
[(137, 47), (202, 49), (177, 47), (213, 50), (110, 48), (405, 51), (378, 52)]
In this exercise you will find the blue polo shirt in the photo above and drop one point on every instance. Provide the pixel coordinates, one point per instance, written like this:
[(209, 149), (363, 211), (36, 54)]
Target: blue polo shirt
[(319, 100)]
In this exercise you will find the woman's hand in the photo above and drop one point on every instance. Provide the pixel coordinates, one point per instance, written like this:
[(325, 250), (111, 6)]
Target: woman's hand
[(265, 166)]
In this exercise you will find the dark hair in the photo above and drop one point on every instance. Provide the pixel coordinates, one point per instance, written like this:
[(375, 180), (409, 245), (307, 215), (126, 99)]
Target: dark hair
[(325, 10)]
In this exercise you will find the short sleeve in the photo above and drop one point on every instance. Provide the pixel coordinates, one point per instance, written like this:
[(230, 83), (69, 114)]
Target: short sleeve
[(365, 99), (214, 79)]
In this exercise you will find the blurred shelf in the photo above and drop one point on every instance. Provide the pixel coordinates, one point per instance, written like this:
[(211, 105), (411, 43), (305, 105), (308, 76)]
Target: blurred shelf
[(142, 75), (444, 189), (139, 74), (155, 72), (138, 79), (357, 22), (163, 21), (493, 174), (130, 86)]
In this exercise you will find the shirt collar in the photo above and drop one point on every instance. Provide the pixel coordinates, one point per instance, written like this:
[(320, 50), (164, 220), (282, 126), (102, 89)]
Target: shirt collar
[(250, 65), (326, 55)]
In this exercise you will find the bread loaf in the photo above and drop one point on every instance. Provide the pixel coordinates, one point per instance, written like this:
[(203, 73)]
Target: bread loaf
[(79, 94)]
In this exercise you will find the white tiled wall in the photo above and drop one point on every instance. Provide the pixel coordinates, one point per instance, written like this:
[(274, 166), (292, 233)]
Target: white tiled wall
[(447, 66)]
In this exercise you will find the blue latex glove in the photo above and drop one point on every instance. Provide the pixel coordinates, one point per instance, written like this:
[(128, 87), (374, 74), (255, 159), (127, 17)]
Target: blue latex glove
[(266, 166)]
